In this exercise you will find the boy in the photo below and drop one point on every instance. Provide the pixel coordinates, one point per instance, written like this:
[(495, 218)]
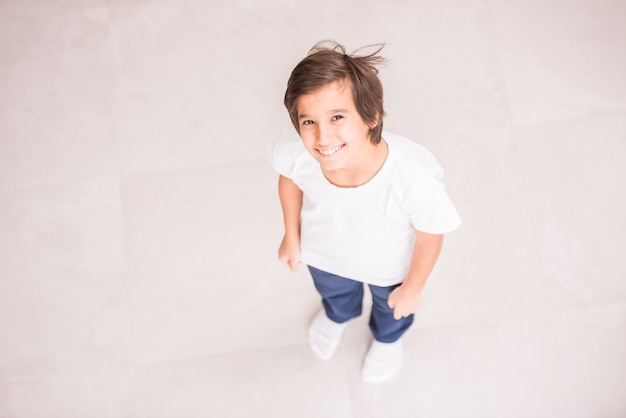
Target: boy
[(360, 206)]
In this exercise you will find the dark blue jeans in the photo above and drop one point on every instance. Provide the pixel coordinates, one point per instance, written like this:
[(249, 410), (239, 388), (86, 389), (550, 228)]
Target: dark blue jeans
[(343, 300)]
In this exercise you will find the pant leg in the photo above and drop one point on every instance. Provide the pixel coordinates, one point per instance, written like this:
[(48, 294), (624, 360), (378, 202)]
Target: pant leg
[(342, 298), (385, 328)]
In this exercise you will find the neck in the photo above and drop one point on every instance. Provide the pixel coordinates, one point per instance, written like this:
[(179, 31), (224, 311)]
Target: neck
[(364, 171)]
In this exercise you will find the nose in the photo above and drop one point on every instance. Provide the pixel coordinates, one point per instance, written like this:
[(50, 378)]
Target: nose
[(324, 134)]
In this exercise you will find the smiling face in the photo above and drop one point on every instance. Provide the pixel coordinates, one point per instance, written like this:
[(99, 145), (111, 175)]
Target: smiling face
[(332, 130)]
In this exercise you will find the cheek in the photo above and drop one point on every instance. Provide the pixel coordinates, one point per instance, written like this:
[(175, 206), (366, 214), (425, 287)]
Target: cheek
[(307, 140)]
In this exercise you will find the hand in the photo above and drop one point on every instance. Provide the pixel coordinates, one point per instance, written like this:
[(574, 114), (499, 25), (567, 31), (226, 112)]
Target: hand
[(403, 302), (289, 253)]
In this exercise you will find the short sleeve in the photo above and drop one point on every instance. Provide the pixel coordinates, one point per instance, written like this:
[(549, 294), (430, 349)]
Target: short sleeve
[(284, 152), (435, 213)]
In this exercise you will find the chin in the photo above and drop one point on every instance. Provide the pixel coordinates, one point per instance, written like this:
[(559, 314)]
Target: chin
[(330, 165)]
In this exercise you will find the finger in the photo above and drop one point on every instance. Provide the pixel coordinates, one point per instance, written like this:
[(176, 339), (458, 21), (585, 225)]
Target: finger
[(391, 299), (283, 260), (286, 262), (293, 265)]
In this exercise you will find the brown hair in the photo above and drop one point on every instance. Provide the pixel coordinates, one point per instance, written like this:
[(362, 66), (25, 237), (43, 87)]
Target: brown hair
[(327, 62)]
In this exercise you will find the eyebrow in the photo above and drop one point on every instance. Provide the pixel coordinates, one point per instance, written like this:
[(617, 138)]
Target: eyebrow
[(304, 116)]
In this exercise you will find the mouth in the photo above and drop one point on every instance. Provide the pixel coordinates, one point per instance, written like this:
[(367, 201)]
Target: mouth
[(328, 152)]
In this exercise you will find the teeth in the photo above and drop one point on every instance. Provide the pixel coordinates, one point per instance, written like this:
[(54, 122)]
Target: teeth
[(331, 151)]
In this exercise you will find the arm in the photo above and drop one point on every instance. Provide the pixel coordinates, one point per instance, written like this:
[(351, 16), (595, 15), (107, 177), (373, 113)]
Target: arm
[(291, 203), (407, 298)]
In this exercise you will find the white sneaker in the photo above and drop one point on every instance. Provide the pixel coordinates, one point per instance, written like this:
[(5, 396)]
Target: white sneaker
[(382, 361), (325, 335)]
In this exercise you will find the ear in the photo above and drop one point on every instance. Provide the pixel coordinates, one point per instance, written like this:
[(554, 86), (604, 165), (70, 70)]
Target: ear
[(374, 123)]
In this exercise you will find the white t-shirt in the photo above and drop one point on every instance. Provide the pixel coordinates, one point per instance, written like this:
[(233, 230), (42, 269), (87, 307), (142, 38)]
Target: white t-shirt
[(366, 233)]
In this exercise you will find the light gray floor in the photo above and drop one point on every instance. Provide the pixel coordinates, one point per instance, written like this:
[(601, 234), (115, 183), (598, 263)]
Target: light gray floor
[(139, 221)]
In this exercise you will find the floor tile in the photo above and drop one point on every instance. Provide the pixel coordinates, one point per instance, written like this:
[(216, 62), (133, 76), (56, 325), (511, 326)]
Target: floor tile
[(281, 382), (445, 373), (215, 113), (61, 269), (36, 9), (567, 63), (56, 124), (573, 175), (81, 31), (140, 220), (63, 313), (101, 394), (489, 266), (591, 345), (168, 122), (473, 370), (527, 380), (202, 266)]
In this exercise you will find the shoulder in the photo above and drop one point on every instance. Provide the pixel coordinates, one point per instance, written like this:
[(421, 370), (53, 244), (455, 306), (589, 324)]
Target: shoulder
[(288, 142), (413, 159), (418, 187), (286, 151)]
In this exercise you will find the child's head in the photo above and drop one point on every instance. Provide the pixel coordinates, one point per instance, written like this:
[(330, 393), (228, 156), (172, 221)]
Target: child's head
[(327, 62)]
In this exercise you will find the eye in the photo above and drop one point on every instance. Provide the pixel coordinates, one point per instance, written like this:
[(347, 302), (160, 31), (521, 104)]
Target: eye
[(307, 122), (337, 117)]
